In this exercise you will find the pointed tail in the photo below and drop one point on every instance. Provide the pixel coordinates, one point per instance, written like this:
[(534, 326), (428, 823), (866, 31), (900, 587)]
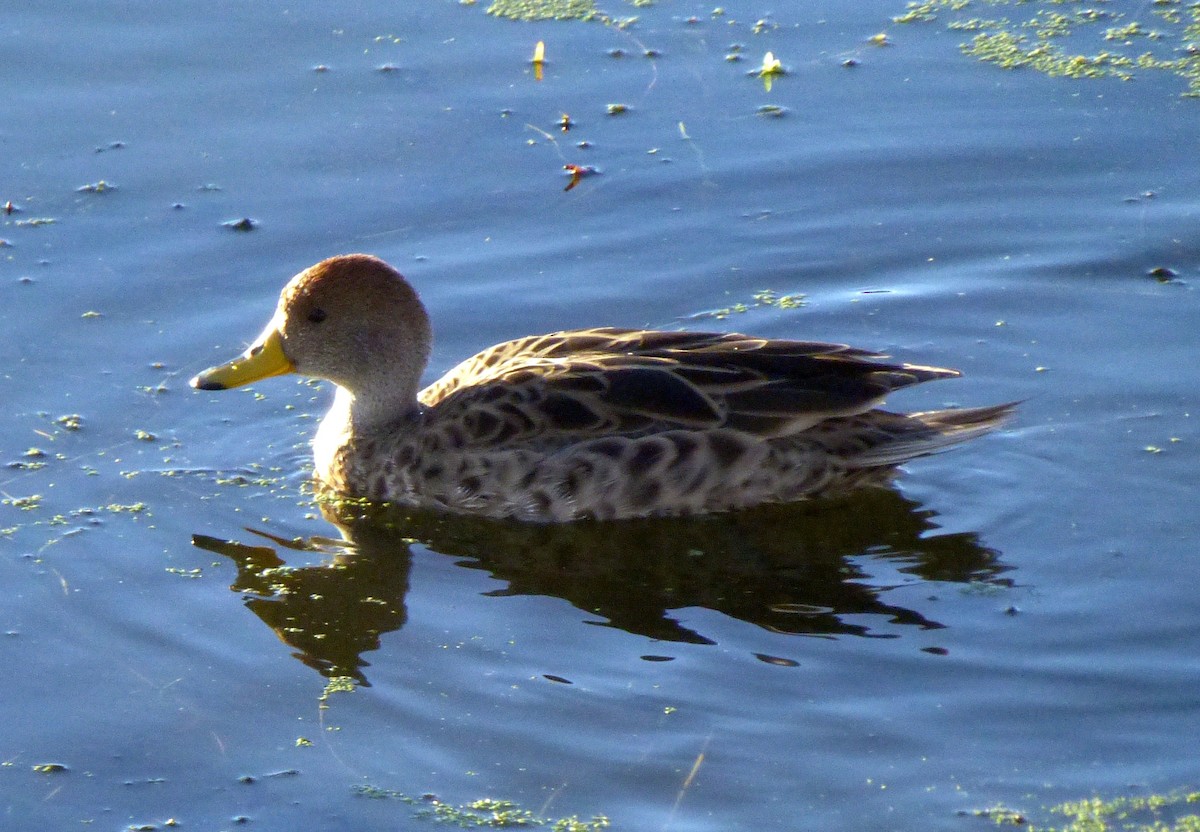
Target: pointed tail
[(921, 434)]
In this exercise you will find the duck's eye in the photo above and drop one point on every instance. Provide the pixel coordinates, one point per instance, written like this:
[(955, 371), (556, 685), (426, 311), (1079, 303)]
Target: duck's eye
[(316, 315)]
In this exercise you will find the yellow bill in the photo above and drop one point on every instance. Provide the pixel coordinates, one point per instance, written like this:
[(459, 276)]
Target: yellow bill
[(263, 359)]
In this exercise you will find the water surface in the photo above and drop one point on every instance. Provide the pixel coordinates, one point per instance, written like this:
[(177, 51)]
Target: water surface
[(1015, 623)]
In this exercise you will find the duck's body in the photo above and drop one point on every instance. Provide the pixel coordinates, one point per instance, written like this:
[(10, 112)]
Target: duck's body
[(599, 423)]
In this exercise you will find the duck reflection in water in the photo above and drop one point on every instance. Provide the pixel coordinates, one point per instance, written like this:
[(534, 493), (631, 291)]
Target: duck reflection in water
[(802, 568)]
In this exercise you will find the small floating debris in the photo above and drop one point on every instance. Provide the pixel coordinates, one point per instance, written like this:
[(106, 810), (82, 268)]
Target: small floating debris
[(111, 146), (50, 768), (92, 313), (283, 772), (386, 68), (850, 63), (771, 66), (1163, 274), (244, 224), (321, 68), (1141, 196), (1001, 815), (880, 39), (616, 109), (36, 221), (70, 421), (778, 661), (578, 172), (539, 60), (96, 188), (209, 187), (617, 53), (771, 111)]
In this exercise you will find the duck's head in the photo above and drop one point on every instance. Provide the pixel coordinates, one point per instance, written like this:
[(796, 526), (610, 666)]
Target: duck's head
[(353, 320)]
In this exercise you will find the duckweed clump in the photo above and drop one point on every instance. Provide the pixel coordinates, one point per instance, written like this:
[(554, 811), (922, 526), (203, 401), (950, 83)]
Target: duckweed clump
[(530, 10), (28, 503), (762, 298), (1069, 40), (336, 684), (1172, 812), (484, 812), (544, 9)]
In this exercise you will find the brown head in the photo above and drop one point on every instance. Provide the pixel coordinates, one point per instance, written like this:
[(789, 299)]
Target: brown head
[(353, 320)]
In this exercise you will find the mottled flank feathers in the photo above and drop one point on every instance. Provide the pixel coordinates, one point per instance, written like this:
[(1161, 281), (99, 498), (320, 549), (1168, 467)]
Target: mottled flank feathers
[(598, 423)]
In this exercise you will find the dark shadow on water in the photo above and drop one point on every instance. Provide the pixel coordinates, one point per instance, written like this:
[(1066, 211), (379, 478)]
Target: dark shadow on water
[(803, 569)]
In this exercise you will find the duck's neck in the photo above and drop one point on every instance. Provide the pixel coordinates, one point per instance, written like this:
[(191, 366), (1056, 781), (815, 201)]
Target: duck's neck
[(366, 415), (355, 418)]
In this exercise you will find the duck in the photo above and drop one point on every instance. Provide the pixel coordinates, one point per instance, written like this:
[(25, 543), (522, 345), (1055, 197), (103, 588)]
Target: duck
[(589, 424)]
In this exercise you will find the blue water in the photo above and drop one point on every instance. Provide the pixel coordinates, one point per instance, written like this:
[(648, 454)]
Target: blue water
[(1015, 623)]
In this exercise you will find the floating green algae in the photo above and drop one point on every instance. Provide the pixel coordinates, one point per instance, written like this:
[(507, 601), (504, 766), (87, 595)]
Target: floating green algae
[(485, 812), (543, 9), (532, 10), (1172, 812), (1071, 39), (764, 297)]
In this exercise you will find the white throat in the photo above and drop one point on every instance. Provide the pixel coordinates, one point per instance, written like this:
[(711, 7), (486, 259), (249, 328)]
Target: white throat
[(335, 431), (352, 417)]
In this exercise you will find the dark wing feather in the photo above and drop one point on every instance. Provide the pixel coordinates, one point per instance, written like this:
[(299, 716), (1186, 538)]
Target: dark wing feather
[(615, 381), (657, 393)]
